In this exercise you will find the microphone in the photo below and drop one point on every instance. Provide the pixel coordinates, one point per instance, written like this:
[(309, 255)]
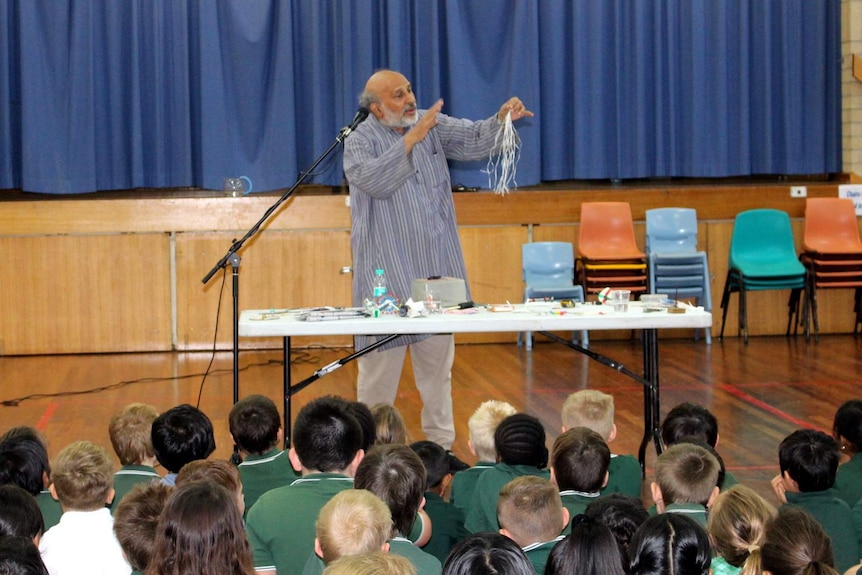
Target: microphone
[(360, 116)]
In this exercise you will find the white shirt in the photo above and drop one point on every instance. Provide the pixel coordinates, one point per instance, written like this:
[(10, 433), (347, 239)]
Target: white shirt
[(83, 543)]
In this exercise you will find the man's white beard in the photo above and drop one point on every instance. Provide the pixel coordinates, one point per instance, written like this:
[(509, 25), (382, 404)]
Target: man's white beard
[(391, 120)]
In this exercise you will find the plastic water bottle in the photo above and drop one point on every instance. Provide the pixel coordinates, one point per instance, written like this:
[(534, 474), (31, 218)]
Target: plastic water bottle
[(379, 283)]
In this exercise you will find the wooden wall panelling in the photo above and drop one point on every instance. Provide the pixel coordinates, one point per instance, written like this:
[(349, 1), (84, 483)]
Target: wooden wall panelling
[(85, 294), (493, 258), (279, 269)]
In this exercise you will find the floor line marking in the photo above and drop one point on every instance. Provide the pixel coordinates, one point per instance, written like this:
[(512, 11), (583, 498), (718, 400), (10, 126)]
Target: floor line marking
[(736, 392), (46, 416)]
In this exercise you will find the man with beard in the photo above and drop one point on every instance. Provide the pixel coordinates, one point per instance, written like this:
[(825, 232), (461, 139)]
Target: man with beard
[(403, 221)]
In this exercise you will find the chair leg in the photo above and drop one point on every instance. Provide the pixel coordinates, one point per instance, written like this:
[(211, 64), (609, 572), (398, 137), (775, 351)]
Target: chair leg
[(793, 310), (743, 314), (725, 299)]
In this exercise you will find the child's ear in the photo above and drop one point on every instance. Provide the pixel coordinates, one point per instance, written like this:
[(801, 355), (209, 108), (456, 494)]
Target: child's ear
[(553, 477), (657, 497), (279, 437), (613, 434), (357, 459), (470, 446), (294, 460), (46, 481), (317, 550), (53, 491), (110, 496), (607, 478), (711, 500), (789, 483), (566, 517)]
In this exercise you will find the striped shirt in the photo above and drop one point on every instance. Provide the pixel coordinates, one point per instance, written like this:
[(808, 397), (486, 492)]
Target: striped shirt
[(401, 207)]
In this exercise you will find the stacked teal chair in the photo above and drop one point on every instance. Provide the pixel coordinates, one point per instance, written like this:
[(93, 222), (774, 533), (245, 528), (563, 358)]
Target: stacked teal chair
[(675, 265), (762, 257), (549, 272)]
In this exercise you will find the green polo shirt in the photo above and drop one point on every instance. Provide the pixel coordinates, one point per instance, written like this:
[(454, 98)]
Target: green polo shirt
[(127, 477), (447, 526), (857, 523), (848, 481), (837, 520), (576, 502), (262, 473), (482, 514), (50, 508), (624, 476), (538, 553), (694, 510), (463, 484), (280, 525), (425, 563)]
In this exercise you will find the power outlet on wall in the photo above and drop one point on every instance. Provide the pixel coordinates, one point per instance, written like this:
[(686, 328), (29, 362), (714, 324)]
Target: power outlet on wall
[(798, 191)]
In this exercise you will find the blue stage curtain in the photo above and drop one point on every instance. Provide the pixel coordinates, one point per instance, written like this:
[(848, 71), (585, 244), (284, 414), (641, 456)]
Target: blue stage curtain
[(103, 95)]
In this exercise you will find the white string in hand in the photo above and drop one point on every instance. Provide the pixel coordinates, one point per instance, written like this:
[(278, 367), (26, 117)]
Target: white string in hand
[(502, 164)]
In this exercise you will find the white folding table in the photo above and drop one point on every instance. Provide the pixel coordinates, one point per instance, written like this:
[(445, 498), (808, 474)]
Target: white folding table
[(543, 318)]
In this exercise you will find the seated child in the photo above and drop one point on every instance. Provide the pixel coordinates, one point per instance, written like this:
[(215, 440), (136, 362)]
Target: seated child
[(622, 514), (390, 426), (736, 525), (808, 460), (688, 420), (24, 462), (579, 468), (395, 474), (219, 472), (256, 430), (521, 450), (685, 481), (531, 514), (131, 433), (593, 409), (181, 434), (135, 521), (18, 556), (353, 522), (19, 514), (487, 553), (847, 430), (669, 543), (481, 425), (373, 563), (590, 549), (795, 544), (446, 519), (83, 541), (327, 448)]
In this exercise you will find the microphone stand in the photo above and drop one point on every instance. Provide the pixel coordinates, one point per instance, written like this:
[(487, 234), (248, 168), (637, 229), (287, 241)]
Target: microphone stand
[(233, 258)]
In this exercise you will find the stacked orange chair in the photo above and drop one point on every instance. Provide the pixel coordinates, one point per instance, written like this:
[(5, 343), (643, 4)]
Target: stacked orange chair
[(608, 255), (832, 252)]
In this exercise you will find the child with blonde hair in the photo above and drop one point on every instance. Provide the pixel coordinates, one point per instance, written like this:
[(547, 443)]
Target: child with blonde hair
[(390, 425), (374, 563), (481, 426), (736, 525), (131, 433), (83, 541), (594, 409)]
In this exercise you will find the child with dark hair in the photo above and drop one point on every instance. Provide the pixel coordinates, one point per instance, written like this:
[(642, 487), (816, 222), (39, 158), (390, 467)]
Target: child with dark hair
[(487, 553), (686, 477), (395, 474), (256, 430), (181, 434), (520, 443), (531, 514), (446, 519), (131, 433), (481, 428), (200, 532), (19, 514), (135, 521), (795, 544), (84, 540), (808, 460), (594, 409), (24, 462), (18, 556), (847, 430), (590, 549), (363, 415), (669, 543), (689, 420), (620, 513), (579, 467), (327, 448)]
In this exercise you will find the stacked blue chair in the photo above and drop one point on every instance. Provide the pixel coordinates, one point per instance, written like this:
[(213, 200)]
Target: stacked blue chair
[(675, 265), (549, 272), (762, 257)]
